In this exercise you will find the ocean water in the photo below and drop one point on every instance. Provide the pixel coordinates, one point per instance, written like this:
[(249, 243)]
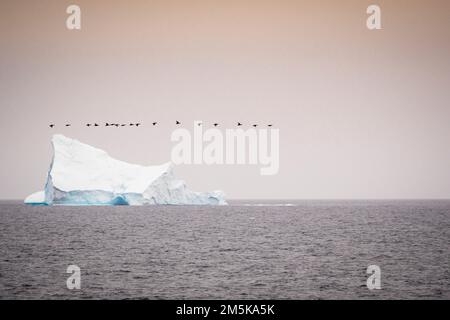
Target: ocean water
[(248, 250)]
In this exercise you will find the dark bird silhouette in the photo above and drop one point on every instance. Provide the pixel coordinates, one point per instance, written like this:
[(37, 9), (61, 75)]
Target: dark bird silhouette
[(68, 125), (123, 125), (216, 124), (51, 126), (239, 124), (255, 125), (131, 124), (117, 125), (88, 125), (95, 125), (138, 124), (154, 123), (269, 125), (107, 124), (199, 124), (177, 122)]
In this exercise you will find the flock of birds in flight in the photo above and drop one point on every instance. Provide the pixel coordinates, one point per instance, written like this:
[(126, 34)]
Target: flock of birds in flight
[(139, 124)]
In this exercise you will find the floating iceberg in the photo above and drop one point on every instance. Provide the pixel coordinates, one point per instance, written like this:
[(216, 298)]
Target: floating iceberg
[(83, 175)]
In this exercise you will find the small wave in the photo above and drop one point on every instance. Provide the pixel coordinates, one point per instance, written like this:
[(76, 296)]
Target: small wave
[(269, 205)]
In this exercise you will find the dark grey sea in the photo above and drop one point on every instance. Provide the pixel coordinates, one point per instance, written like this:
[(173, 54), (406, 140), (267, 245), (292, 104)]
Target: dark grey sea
[(247, 250)]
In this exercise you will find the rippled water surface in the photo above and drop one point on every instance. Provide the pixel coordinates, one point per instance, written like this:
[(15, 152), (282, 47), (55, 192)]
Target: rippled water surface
[(248, 250)]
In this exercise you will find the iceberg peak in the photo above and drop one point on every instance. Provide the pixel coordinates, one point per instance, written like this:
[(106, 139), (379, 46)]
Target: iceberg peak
[(84, 175)]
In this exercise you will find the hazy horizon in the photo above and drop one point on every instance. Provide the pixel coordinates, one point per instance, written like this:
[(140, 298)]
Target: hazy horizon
[(362, 114)]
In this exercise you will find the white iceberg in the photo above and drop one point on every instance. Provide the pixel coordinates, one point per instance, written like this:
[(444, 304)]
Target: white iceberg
[(36, 198), (83, 175)]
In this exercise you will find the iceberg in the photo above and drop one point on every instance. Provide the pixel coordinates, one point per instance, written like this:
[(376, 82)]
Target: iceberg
[(37, 198), (80, 174)]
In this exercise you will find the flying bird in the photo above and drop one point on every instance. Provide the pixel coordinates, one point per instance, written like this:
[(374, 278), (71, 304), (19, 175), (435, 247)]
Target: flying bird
[(138, 124), (95, 125), (216, 124), (239, 124), (154, 123), (177, 122), (68, 125), (269, 125), (88, 125), (51, 126), (255, 125), (107, 124)]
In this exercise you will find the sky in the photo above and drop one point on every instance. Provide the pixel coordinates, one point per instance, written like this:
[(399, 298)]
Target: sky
[(361, 114)]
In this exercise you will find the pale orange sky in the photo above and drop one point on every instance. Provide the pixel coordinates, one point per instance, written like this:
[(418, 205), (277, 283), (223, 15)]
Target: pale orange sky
[(362, 114)]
